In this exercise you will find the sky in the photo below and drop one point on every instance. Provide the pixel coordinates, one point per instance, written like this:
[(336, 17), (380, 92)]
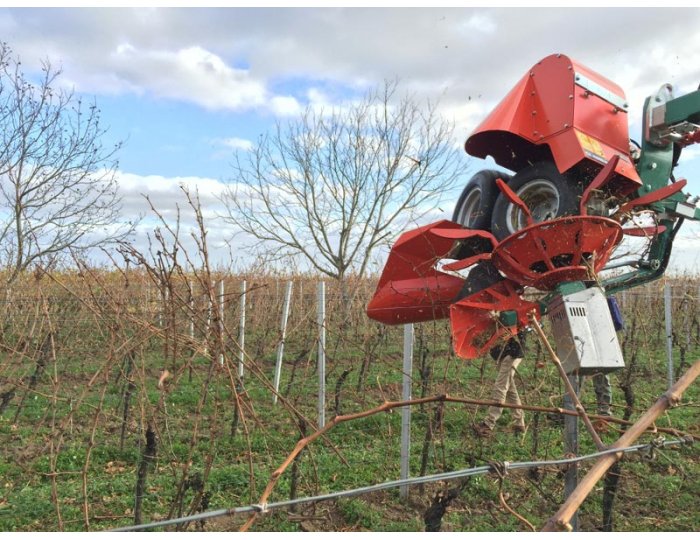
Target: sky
[(186, 87)]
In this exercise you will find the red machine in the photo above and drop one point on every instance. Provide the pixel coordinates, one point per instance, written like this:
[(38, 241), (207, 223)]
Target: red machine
[(560, 112), (563, 131)]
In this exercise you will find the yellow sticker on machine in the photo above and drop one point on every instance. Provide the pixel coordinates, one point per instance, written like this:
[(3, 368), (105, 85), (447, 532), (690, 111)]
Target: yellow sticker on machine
[(590, 144)]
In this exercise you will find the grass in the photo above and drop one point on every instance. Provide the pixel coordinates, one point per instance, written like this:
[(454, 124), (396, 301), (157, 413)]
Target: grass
[(45, 448)]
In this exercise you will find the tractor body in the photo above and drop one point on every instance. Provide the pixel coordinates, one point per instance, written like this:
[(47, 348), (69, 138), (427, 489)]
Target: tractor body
[(563, 111), (575, 189)]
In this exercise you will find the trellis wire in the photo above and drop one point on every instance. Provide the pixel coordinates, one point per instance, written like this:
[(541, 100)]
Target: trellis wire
[(440, 477)]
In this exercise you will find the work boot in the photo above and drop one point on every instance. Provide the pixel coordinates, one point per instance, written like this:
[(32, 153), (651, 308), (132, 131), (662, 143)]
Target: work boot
[(482, 430), (518, 429)]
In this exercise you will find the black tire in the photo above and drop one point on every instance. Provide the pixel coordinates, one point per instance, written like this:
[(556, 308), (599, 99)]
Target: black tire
[(475, 204), (547, 193), (482, 276), (473, 210)]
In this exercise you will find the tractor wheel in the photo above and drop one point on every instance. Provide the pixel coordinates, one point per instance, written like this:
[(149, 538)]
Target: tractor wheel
[(546, 192), (473, 210), (474, 206)]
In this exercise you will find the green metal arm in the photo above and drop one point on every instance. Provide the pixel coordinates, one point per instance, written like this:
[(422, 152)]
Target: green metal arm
[(665, 119)]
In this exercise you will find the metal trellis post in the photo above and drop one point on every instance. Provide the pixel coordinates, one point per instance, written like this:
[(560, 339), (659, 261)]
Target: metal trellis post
[(191, 302), (406, 411), (241, 331), (571, 445), (669, 332), (280, 347), (221, 322), (321, 354)]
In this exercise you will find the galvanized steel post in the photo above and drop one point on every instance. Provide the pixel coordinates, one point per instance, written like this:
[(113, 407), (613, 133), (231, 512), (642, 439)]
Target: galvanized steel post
[(241, 331), (280, 347), (191, 302), (221, 322), (406, 411), (669, 332), (571, 445), (321, 354)]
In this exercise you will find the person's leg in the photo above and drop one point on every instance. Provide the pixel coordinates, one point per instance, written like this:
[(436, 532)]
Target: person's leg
[(514, 398), (500, 390)]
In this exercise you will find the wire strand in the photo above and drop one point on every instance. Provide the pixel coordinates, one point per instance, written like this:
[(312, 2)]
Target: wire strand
[(452, 475)]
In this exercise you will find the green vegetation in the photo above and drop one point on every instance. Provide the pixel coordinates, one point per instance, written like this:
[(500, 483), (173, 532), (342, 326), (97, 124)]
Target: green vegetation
[(73, 361)]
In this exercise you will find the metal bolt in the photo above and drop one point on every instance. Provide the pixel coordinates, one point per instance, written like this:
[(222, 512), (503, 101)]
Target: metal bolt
[(534, 113), (586, 94), (571, 96), (566, 125), (532, 74), (652, 165)]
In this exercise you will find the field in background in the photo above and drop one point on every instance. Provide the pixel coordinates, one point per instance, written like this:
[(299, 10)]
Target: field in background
[(113, 402)]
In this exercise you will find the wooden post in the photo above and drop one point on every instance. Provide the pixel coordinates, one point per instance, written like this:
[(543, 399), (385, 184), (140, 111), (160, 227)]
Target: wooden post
[(321, 354), (406, 411), (280, 347), (561, 520)]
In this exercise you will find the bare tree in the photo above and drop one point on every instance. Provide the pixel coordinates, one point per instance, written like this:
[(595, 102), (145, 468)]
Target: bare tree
[(57, 182), (333, 185)]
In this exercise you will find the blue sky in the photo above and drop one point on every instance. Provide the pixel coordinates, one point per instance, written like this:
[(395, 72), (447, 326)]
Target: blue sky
[(185, 87)]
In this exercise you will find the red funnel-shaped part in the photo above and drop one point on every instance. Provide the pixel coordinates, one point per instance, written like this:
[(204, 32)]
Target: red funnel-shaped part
[(414, 300), (551, 252), (475, 320), (411, 289)]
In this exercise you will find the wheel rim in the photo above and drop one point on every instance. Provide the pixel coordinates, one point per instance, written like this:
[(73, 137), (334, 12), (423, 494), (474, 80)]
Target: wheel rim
[(541, 197), (469, 212)]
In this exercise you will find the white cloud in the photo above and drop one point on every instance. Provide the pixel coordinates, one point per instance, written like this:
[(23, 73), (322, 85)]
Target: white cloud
[(166, 193), (285, 106), (691, 152), (189, 74), (168, 199), (235, 143), (317, 97), (192, 54), (480, 23)]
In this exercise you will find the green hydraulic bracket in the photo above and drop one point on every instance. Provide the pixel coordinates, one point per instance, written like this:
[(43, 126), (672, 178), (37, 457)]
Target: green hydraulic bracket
[(665, 119)]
